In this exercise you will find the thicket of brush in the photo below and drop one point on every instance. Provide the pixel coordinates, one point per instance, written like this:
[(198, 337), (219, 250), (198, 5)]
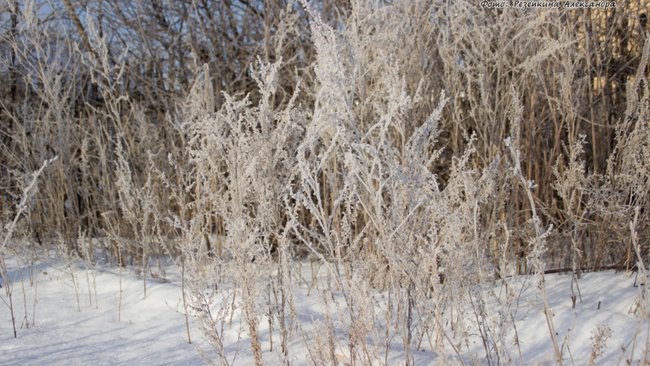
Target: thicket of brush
[(410, 147)]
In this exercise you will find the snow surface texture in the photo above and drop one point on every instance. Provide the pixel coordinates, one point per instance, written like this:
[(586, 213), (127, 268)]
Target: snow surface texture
[(152, 329)]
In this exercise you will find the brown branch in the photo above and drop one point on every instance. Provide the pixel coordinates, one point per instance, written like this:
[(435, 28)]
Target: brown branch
[(80, 29)]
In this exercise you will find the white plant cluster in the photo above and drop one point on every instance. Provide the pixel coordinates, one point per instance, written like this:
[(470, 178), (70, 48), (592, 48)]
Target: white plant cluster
[(349, 183)]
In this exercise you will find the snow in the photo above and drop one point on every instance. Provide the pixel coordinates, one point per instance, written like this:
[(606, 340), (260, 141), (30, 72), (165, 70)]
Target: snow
[(151, 330)]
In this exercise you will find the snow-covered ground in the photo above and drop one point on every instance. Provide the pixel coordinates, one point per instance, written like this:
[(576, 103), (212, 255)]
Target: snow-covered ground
[(151, 330)]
